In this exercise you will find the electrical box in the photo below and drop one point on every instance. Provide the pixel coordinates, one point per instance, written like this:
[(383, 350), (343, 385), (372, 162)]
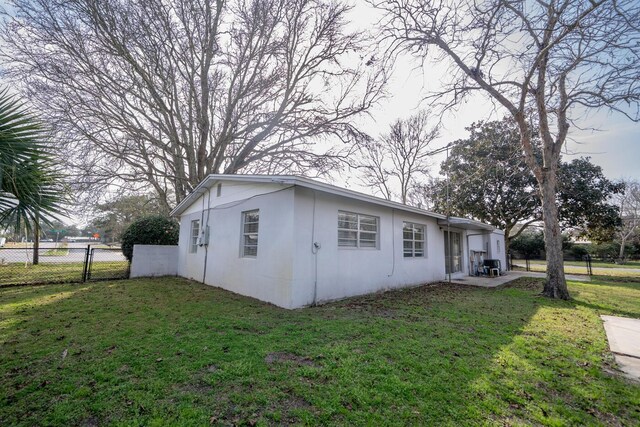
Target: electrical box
[(203, 240)]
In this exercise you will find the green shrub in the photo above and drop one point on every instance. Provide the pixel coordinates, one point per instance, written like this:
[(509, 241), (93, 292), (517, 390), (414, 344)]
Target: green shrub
[(529, 244), (606, 251), (579, 251), (150, 230)]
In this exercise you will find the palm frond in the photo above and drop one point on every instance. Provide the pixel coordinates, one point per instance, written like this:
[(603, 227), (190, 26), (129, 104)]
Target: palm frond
[(30, 188)]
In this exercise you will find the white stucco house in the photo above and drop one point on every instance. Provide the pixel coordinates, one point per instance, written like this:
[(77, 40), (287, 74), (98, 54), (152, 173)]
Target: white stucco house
[(294, 242)]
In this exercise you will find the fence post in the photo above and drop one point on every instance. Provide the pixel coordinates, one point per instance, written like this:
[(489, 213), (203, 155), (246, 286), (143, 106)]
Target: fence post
[(86, 264), (587, 258), (528, 265), (91, 252)]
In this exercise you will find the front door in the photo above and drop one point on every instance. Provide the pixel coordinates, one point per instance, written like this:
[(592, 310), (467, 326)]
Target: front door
[(453, 257)]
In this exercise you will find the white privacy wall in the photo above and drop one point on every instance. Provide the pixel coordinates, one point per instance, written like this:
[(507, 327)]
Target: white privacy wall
[(266, 276), (154, 260)]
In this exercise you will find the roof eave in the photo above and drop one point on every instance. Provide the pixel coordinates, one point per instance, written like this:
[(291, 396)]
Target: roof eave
[(209, 181), (466, 224)]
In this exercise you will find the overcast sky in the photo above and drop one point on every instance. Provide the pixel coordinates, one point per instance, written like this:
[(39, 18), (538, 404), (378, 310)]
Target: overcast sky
[(615, 146)]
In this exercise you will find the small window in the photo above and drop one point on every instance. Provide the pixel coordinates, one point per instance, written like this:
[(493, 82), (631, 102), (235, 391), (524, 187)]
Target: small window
[(250, 222), (195, 232), (357, 230), (498, 245), (219, 190), (413, 240)]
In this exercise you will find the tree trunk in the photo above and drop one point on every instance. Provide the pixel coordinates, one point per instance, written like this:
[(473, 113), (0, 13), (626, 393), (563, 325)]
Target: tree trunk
[(507, 246), (623, 241), (36, 241), (555, 285)]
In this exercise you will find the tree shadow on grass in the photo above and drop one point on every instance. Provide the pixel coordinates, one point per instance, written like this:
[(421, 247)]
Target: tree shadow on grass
[(178, 352), (606, 309), (623, 282)]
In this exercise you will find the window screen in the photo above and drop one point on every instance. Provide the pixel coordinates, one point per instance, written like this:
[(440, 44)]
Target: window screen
[(413, 240), (357, 230), (195, 232), (250, 222)]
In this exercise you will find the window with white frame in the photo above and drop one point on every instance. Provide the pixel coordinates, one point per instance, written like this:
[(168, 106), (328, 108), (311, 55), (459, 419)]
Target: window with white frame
[(250, 222), (195, 233), (357, 230), (413, 240)]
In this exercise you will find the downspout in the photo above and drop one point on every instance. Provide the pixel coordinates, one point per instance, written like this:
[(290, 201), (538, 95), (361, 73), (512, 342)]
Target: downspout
[(315, 247), (449, 249), (393, 243), (205, 235), (448, 223)]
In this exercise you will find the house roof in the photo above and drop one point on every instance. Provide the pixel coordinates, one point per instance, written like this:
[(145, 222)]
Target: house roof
[(467, 224), (213, 179)]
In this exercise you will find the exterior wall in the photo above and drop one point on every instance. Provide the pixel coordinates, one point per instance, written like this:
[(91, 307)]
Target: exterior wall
[(496, 247), (268, 275), (492, 242), (334, 272), (231, 192), (190, 265), (154, 260), (288, 270)]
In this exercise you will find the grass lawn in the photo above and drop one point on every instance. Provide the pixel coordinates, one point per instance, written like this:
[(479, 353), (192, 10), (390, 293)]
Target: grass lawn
[(576, 267), (601, 264), (627, 264), (62, 250), (18, 245), (18, 273), (173, 352)]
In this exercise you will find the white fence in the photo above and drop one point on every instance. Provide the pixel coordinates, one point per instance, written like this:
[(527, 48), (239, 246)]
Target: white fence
[(154, 260)]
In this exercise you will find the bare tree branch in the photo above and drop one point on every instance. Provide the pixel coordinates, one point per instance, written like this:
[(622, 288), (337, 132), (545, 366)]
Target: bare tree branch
[(161, 93), (399, 159), (544, 62)]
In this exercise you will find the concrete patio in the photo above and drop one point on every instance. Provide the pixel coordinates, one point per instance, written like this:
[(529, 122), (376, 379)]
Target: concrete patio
[(623, 334)]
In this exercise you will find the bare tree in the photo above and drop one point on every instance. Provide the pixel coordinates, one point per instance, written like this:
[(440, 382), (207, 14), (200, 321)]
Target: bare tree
[(161, 93), (629, 203), (553, 59), (399, 159)]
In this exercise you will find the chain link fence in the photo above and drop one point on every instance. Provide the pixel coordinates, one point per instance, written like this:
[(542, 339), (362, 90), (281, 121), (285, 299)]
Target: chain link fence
[(61, 264)]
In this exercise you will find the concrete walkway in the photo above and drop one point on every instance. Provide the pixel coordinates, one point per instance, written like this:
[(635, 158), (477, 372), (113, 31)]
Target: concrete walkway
[(509, 276), (623, 334)]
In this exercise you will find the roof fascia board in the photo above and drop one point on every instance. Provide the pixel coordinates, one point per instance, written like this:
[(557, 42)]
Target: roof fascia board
[(476, 225), (302, 182)]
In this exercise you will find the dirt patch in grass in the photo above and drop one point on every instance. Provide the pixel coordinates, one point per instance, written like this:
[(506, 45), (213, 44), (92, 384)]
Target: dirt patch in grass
[(284, 357), (197, 387), (294, 402), (527, 283), (373, 309), (385, 303)]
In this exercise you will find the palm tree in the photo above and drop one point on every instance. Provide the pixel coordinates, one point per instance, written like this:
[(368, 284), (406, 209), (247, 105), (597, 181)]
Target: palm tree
[(29, 188)]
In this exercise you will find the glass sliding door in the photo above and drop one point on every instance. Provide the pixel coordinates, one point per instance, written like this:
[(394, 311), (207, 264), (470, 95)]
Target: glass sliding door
[(453, 258)]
